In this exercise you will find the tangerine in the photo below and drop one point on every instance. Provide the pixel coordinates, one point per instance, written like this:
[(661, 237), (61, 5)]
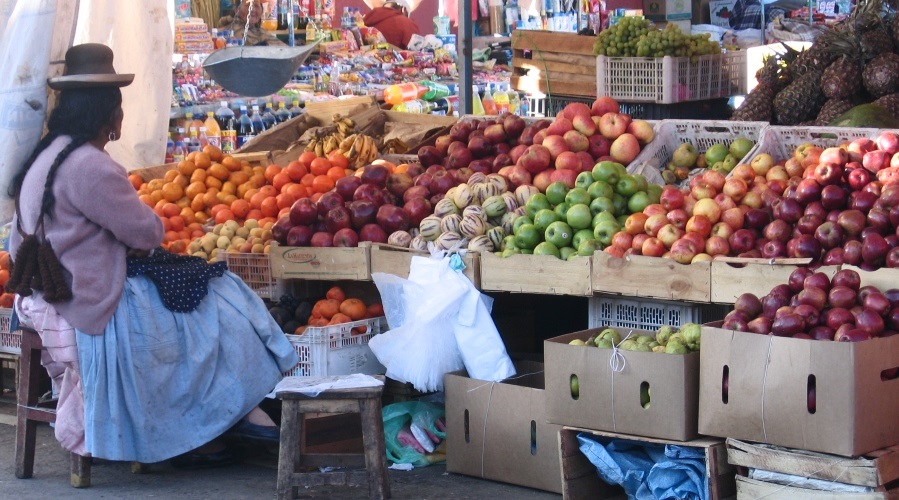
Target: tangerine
[(177, 222), (255, 213), (329, 308), (269, 206), (271, 171), (136, 181), (268, 190), (240, 208), (307, 180), (231, 164), (169, 176), (224, 216), (376, 310), (202, 160), (198, 176), (306, 158), (336, 293), (186, 167), (319, 166), (318, 322), (339, 318), (296, 170), (170, 209), (214, 153), (284, 200), (194, 188), (336, 173), (322, 184), (218, 171), (172, 191), (297, 191), (280, 179), (337, 159), (213, 182), (354, 308), (239, 177)]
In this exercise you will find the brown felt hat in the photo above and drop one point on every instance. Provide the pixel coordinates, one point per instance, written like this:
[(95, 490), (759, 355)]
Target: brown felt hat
[(89, 65)]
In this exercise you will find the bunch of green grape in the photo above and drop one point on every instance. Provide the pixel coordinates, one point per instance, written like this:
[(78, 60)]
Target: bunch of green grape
[(637, 37), (621, 39)]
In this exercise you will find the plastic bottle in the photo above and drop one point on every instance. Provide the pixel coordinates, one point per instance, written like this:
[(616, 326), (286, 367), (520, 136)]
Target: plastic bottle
[(269, 118), (477, 107), (193, 119), (282, 114), (178, 151), (488, 103), (416, 106), (295, 109), (524, 107), (256, 117), (400, 92), (501, 99), (245, 129), (225, 116), (514, 101), (435, 90), (193, 143), (169, 149), (358, 16), (213, 131), (202, 138)]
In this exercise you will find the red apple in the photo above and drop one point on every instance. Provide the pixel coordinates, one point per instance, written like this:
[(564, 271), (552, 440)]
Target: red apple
[(373, 233), (322, 239), (346, 237)]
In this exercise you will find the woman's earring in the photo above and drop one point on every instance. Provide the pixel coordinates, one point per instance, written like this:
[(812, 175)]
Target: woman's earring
[(112, 136)]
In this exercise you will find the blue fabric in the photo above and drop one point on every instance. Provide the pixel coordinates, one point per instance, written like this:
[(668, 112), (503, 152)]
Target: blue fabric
[(648, 471), (181, 279), (159, 383)]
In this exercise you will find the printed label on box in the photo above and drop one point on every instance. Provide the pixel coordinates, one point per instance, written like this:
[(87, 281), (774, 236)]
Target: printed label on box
[(721, 11)]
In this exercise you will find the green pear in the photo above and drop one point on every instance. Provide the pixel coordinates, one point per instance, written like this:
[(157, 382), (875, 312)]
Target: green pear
[(611, 334), (642, 348), (628, 345), (675, 348), (577, 342), (665, 333), (604, 343), (691, 333), (658, 348), (644, 339)]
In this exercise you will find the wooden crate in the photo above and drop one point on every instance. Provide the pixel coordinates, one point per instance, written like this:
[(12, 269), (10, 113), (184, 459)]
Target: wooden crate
[(397, 260), (651, 277), (553, 63), (580, 481), (536, 274), (873, 470), (312, 263), (734, 276), (883, 278), (751, 489)]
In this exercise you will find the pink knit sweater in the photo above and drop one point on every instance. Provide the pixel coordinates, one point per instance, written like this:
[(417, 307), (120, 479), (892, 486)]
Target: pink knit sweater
[(96, 219)]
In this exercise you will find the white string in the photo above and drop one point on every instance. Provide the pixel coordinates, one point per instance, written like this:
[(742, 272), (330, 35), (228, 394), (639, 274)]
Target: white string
[(765, 386), (617, 362)]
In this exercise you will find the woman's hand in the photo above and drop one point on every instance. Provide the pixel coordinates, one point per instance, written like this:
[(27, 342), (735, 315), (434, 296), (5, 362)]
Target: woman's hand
[(134, 252)]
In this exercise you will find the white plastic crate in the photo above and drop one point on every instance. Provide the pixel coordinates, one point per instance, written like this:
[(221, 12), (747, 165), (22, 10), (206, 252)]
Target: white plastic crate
[(668, 80), (669, 134), (10, 342), (255, 269), (336, 350), (780, 141), (649, 314)]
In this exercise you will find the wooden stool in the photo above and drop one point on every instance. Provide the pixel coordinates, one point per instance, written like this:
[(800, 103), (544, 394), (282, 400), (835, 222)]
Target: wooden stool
[(30, 411), (367, 402)]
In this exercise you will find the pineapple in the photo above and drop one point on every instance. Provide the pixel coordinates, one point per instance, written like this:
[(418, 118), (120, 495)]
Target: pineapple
[(758, 106), (812, 60), (842, 78), (800, 101), (890, 102), (832, 109), (875, 42), (881, 75)]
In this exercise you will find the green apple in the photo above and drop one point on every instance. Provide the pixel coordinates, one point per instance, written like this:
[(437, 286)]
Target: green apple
[(603, 216), (544, 218), (583, 180), (536, 202), (621, 219), (627, 185), (741, 147), (559, 234), (547, 248), (604, 231), (565, 253), (642, 183), (520, 222), (637, 202), (600, 188), (577, 195), (620, 203), (508, 242), (655, 193), (511, 251), (588, 247), (729, 161), (684, 156), (562, 209), (572, 256), (718, 166), (527, 237), (527, 251), (605, 171), (555, 192), (580, 235), (716, 153), (601, 204), (579, 216), (575, 387)]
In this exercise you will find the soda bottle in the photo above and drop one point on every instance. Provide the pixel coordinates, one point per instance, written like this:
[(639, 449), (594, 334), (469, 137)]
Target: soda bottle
[(245, 129), (282, 115), (178, 151), (256, 117), (400, 92), (213, 131), (477, 106), (416, 106), (435, 90), (188, 120), (202, 139), (514, 101), (169, 149), (268, 118), (295, 109), (194, 120), (194, 142), (501, 98), (224, 116), (488, 103)]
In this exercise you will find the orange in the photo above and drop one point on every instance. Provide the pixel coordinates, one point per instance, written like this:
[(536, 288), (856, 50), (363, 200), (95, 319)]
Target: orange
[(181, 180), (4, 276), (239, 177), (169, 176), (218, 171), (170, 209), (300, 330), (136, 180), (256, 200), (329, 308), (178, 246), (401, 168), (197, 203), (271, 171), (315, 197), (147, 199), (177, 222), (192, 155), (336, 293), (156, 184), (318, 322), (6, 300), (227, 198), (336, 173), (210, 199), (186, 167), (390, 166), (376, 310), (257, 180), (240, 208), (307, 180), (296, 170), (224, 216), (339, 318), (4, 259), (296, 190), (337, 159), (198, 176), (195, 188), (213, 182), (268, 190), (202, 160), (282, 212), (354, 308), (214, 153), (243, 189), (187, 214), (319, 166), (172, 191), (166, 223), (284, 200), (306, 158), (229, 187), (231, 164), (322, 184), (255, 213), (269, 206), (279, 180), (171, 235)]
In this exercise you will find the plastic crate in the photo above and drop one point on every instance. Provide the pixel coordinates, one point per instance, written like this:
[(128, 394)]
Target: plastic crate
[(648, 314), (702, 134), (255, 269), (10, 342), (335, 350), (668, 79), (780, 141)]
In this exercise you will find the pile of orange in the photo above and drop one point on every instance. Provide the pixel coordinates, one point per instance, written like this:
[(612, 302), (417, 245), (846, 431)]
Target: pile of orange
[(337, 308), (6, 298)]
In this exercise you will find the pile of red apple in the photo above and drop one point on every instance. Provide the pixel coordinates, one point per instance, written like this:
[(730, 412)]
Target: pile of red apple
[(545, 151), (813, 306)]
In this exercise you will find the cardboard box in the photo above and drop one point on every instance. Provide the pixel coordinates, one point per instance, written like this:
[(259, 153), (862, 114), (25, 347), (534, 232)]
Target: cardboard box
[(313, 263), (498, 431), (721, 11), (765, 399), (668, 10), (610, 400)]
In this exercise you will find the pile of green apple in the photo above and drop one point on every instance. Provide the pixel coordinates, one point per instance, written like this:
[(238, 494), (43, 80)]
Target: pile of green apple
[(719, 156), (668, 340), (569, 222)]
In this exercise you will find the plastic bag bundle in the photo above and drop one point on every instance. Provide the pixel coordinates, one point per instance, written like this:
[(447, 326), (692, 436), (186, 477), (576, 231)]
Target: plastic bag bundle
[(415, 433)]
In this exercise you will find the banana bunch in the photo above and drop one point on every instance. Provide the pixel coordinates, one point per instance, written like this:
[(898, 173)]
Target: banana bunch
[(359, 149), (394, 146), (342, 128)]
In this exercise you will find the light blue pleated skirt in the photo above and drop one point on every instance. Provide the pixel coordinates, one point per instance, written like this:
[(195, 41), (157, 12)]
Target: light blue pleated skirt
[(159, 383)]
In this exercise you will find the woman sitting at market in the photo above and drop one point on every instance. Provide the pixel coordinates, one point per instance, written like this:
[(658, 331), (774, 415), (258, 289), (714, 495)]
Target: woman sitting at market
[(154, 355), (392, 20), (237, 23)]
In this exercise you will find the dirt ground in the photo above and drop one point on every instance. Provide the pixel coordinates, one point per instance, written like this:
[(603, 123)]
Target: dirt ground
[(254, 479)]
